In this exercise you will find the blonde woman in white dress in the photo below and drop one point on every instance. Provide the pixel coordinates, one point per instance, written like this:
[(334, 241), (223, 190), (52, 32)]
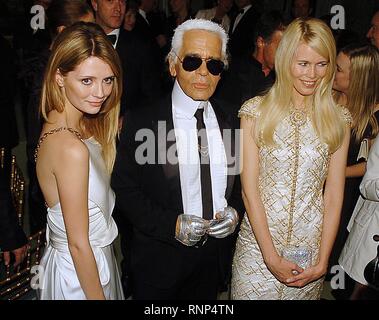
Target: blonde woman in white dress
[(295, 141)]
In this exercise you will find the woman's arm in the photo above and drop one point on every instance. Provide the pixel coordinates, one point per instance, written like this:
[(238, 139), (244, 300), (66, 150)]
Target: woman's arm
[(333, 198), (72, 174), (356, 170), (280, 268)]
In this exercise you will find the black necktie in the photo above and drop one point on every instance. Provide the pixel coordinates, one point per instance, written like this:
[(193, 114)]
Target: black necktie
[(112, 38), (205, 170)]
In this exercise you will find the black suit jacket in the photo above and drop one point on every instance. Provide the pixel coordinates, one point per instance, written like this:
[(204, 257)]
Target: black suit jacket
[(149, 197), (241, 41), (141, 83), (243, 80)]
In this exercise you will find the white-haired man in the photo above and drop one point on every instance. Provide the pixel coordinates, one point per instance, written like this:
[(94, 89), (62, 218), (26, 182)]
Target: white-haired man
[(183, 209)]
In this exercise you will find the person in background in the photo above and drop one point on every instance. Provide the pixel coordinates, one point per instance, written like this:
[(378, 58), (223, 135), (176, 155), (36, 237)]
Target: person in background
[(302, 8), (140, 72), (130, 18), (242, 28), (218, 14), (248, 77), (362, 243), (373, 32), (356, 86)]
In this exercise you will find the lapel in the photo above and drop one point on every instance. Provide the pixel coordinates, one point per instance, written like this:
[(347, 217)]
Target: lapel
[(163, 127), (224, 124), (243, 19)]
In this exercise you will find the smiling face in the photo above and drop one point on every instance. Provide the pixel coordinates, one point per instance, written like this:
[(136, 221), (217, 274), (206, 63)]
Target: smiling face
[(199, 84), (87, 86), (342, 78), (109, 13), (307, 70)]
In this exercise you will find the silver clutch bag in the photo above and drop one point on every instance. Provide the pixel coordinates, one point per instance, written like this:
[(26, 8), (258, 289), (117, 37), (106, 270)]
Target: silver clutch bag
[(301, 255)]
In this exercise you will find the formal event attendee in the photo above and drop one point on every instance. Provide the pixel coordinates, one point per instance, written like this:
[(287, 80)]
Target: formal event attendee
[(74, 157), (181, 202), (373, 33), (357, 87), (242, 27), (60, 14), (218, 14), (295, 141), (361, 245), (302, 8), (248, 77), (141, 79), (130, 18)]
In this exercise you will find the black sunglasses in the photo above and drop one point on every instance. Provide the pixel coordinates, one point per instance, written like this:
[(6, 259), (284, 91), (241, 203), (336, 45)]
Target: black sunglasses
[(192, 63)]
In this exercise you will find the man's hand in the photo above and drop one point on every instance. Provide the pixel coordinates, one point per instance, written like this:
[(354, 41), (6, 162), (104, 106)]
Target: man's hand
[(190, 229), (226, 223), (19, 253)]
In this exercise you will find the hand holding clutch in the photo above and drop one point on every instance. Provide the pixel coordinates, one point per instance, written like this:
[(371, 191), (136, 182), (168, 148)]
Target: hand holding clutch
[(225, 224), (190, 229)]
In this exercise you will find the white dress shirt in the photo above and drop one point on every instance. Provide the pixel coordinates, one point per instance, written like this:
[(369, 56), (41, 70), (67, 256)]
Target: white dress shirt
[(183, 111), (240, 15)]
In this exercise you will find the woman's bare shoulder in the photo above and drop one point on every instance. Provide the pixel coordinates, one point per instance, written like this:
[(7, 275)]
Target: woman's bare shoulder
[(63, 146)]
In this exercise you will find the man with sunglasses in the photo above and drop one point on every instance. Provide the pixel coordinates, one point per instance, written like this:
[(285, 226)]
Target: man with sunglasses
[(184, 201)]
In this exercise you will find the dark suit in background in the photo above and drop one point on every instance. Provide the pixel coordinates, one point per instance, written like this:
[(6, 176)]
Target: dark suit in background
[(241, 40), (243, 80), (141, 79)]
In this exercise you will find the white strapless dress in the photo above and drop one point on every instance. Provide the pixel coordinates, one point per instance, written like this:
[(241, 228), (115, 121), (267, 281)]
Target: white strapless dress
[(60, 281)]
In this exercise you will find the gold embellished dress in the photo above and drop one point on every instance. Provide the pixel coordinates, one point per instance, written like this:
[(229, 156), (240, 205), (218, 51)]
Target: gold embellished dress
[(291, 179)]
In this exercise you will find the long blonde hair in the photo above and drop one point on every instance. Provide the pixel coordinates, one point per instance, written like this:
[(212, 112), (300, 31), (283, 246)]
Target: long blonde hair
[(72, 46), (363, 88), (325, 115)]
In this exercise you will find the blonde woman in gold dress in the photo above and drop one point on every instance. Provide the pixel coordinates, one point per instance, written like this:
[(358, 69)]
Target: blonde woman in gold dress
[(295, 141)]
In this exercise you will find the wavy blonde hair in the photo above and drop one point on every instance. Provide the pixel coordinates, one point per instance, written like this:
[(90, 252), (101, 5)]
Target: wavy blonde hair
[(325, 115), (363, 88), (72, 46)]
